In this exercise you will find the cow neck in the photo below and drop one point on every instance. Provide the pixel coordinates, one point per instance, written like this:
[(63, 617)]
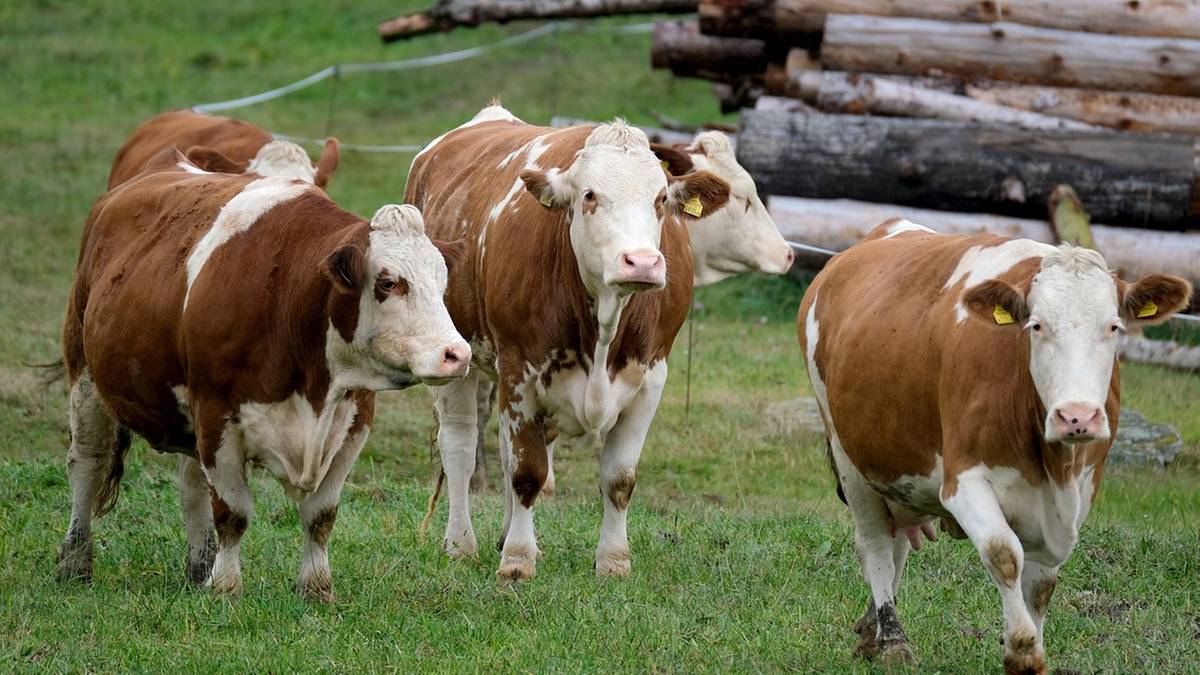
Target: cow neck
[(596, 402), (311, 294)]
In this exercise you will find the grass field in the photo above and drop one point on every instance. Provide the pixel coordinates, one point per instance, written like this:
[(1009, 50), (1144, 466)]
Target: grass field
[(742, 555)]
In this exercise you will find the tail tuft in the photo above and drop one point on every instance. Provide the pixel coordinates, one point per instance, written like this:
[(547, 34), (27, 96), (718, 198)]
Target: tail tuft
[(106, 498)]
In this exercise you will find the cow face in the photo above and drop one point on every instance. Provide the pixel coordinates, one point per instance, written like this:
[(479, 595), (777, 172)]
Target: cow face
[(616, 196), (1074, 311), (403, 330), (281, 158), (742, 236)]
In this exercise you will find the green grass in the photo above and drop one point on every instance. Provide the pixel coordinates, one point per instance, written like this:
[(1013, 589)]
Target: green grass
[(742, 552)]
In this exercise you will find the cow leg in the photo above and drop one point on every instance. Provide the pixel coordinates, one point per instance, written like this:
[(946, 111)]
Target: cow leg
[(222, 458), (456, 406), (879, 553), (1037, 585), (197, 519), (94, 438), (485, 400), (524, 447), (618, 472), (975, 508), (318, 511)]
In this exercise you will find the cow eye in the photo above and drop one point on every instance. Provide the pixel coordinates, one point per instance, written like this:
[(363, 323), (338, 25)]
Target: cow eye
[(386, 285), (1037, 327), (589, 196)]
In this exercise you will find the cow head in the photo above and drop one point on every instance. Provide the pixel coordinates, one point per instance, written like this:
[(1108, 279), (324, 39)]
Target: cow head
[(402, 331), (283, 158), (742, 237), (1073, 311), (616, 196)]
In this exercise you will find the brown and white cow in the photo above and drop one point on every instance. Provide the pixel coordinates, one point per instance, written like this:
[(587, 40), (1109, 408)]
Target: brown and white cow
[(576, 278), (220, 144), (242, 320), (972, 379), (741, 237)]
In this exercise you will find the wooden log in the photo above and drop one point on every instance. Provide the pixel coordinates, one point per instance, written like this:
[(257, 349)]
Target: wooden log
[(836, 224), (449, 14), (1154, 18), (1166, 353), (1136, 179), (856, 93), (1120, 110), (1011, 52), (679, 46)]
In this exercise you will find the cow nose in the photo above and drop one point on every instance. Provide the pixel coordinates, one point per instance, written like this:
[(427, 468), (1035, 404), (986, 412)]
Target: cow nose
[(1078, 421), (791, 258), (642, 267), (455, 360)]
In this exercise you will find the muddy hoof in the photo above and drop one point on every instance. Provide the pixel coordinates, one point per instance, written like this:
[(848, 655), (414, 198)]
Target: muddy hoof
[(198, 567), (317, 591), (75, 562), (897, 654)]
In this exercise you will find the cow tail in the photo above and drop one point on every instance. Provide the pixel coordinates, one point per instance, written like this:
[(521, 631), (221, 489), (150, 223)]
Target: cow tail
[(833, 467), (106, 497), (431, 504)]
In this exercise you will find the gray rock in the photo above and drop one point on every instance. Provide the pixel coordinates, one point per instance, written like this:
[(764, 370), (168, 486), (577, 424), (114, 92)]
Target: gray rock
[(1143, 443), (794, 416)]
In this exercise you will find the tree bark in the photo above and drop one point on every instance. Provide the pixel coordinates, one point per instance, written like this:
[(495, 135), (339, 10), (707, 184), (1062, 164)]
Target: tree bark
[(760, 18), (449, 14), (1119, 110), (1166, 353), (1142, 180), (1011, 52), (856, 94), (837, 224), (679, 46)]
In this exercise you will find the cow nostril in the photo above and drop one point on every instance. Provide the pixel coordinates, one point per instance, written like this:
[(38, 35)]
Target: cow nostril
[(1074, 420), (451, 356)]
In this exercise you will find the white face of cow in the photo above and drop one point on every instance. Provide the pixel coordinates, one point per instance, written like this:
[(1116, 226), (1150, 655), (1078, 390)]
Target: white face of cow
[(1073, 313), (403, 326), (742, 237), (617, 195)]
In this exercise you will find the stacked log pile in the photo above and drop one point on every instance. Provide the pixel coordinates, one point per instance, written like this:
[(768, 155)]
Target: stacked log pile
[(962, 105)]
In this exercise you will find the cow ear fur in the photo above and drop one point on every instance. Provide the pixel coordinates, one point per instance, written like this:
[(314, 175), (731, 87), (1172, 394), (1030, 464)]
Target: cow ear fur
[(997, 303), (701, 189), (346, 268), (1152, 299)]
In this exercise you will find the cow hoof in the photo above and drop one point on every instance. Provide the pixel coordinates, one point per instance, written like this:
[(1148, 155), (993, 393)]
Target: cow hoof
[(200, 563), (319, 591), (462, 549), (1022, 655), (512, 571), (227, 584), (75, 561), (617, 569), (897, 654)]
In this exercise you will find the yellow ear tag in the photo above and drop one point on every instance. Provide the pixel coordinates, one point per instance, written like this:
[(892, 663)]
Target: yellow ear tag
[(666, 165), (1148, 309), (546, 199), (693, 207), (1002, 316)]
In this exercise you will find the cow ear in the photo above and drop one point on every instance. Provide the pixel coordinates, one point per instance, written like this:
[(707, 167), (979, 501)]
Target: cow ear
[(210, 159), (998, 303), (1152, 299), (346, 268), (548, 187), (697, 194), (452, 252), (675, 161), (328, 163)]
